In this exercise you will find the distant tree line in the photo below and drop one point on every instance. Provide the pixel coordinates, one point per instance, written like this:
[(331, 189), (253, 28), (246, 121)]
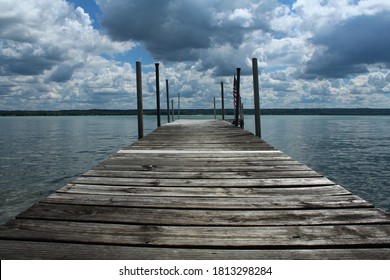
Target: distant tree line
[(105, 112)]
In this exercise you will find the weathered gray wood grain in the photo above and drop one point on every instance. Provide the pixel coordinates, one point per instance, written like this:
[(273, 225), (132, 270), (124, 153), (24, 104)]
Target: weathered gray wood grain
[(199, 190), (160, 216), (275, 237), (244, 183), (16, 250), (332, 190)]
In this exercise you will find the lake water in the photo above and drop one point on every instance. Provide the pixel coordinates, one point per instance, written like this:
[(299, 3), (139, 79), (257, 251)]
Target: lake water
[(38, 155)]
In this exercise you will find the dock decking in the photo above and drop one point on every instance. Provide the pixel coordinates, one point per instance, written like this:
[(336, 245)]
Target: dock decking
[(199, 190)]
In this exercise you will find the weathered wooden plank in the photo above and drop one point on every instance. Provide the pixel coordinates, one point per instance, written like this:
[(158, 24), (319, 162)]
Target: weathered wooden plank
[(274, 182), (205, 147), (203, 168), (16, 250), (298, 237), (212, 162), (208, 190), (201, 175), (201, 136), (176, 202), (146, 216), (193, 144), (201, 153), (178, 140), (201, 192)]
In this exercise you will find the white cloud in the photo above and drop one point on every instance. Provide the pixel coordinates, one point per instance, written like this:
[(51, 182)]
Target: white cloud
[(311, 54), (242, 16), (51, 43)]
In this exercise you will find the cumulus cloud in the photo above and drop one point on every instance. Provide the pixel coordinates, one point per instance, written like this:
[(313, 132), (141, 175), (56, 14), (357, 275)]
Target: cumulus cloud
[(351, 46), (188, 30), (62, 72), (38, 35), (50, 43), (312, 53), (343, 37)]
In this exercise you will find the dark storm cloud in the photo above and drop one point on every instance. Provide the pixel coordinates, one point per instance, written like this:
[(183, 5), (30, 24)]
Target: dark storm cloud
[(13, 29), (62, 73), (175, 30), (351, 46), (164, 26), (21, 52), (27, 59), (27, 66)]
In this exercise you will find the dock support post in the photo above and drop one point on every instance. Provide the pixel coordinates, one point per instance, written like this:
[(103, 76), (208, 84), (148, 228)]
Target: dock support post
[(173, 112), (237, 109), (167, 89), (215, 110), (139, 101), (158, 109), (256, 96), (178, 106), (241, 114), (223, 101)]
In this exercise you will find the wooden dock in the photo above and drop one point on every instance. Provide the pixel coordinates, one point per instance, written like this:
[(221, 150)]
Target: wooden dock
[(199, 190)]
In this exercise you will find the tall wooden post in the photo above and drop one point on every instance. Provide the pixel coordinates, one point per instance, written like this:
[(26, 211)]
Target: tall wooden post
[(173, 112), (223, 101), (215, 110), (167, 89), (237, 109), (241, 114), (158, 110), (139, 101), (256, 96), (178, 105)]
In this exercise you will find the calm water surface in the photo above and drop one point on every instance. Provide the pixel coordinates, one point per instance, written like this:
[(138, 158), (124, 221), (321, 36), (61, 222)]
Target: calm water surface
[(353, 151), (38, 155)]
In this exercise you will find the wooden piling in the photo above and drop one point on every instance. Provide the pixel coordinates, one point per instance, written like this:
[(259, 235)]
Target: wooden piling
[(222, 101), (139, 101), (167, 89), (241, 114), (158, 109), (237, 109), (199, 190), (256, 96), (178, 106), (215, 110), (173, 112)]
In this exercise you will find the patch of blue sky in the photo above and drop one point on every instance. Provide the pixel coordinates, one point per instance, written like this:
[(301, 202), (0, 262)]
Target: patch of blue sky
[(89, 7), (278, 36), (139, 53), (288, 2), (132, 56)]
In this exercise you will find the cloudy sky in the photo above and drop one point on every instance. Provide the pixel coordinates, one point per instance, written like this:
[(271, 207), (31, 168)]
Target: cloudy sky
[(81, 54)]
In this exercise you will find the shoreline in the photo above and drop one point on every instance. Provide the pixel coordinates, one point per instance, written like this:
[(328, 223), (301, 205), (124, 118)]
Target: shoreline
[(109, 112)]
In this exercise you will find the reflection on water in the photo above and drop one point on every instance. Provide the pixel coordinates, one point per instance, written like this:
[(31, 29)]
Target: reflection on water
[(353, 151), (41, 154)]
